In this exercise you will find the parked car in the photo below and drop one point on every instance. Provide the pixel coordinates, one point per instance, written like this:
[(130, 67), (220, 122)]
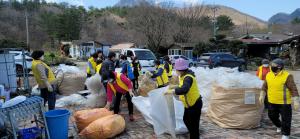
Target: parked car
[(145, 57), (203, 60), (175, 57), (226, 60), (21, 62)]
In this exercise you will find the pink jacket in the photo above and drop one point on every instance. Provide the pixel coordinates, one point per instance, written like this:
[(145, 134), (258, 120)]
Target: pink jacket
[(110, 92)]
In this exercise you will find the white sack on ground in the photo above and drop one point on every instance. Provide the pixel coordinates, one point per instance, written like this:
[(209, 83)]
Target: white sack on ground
[(165, 113), (95, 100), (94, 84), (70, 79), (91, 101), (72, 100)]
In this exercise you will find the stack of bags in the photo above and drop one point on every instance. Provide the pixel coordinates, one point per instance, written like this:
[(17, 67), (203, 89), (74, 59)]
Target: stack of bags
[(98, 123), (96, 98)]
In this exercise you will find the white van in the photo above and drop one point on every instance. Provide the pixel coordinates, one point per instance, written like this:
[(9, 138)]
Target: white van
[(145, 57)]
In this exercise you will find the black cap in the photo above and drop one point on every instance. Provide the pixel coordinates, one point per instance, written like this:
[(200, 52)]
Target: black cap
[(37, 54), (279, 62)]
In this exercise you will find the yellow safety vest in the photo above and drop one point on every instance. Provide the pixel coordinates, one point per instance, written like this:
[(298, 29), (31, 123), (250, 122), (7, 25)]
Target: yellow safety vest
[(278, 93), (120, 83), (163, 79), (98, 68), (170, 70), (93, 63), (37, 75), (193, 94)]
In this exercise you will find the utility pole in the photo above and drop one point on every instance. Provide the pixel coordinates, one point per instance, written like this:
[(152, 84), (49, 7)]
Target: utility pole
[(247, 31), (27, 30), (214, 9)]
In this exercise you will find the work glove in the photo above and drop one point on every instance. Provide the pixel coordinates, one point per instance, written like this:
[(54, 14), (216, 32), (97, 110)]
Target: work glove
[(107, 106), (173, 86), (296, 103), (169, 92), (262, 97), (49, 87), (131, 93)]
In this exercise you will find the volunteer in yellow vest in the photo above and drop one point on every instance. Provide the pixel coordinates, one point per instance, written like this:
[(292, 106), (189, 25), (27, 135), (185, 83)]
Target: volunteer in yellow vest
[(168, 66), (99, 65), (91, 65), (160, 74), (189, 95), (119, 85), (261, 73), (45, 78), (282, 93)]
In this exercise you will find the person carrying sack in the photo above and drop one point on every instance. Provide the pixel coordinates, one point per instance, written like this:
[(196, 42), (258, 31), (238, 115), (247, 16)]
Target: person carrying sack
[(119, 85), (282, 93), (45, 79), (189, 95)]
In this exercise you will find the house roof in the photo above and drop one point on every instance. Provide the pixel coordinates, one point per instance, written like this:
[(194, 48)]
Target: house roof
[(268, 38), (121, 46)]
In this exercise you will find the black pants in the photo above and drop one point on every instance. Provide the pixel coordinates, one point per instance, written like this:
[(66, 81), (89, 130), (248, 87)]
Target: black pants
[(135, 83), (191, 119), (118, 101), (49, 97), (285, 111), (266, 102)]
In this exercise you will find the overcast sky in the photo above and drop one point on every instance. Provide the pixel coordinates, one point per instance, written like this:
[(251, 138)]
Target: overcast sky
[(262, 9)]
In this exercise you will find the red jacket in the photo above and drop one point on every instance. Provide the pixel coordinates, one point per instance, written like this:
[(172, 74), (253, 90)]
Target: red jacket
[(265, 71), (110, 92)]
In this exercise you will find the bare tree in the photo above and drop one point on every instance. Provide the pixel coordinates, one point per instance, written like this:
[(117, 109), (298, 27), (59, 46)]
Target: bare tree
[(189, 22), (154, 22)]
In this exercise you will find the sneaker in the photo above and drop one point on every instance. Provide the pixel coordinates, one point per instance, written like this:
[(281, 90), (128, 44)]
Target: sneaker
[(278, 130), (285, 137), (131, 118)]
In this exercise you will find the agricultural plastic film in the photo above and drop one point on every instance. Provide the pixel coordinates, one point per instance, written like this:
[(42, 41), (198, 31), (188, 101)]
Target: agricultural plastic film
[(164, 112), (91, 101), (94, 84), (225, 77)]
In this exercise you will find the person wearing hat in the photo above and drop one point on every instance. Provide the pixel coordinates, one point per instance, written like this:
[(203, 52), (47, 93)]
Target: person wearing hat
[(282, 93), (263, 70), (168, 66), (108, 65), (160, 74), (119, 85), (189, 95), (45, 78), (261, 73)]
